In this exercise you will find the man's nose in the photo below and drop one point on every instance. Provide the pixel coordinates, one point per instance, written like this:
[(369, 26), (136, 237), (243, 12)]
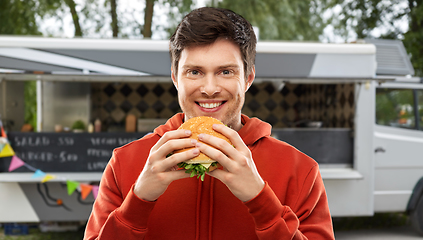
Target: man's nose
[(210, 86)]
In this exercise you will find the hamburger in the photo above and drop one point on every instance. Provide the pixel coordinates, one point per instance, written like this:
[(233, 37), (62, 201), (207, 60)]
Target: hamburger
[(201, 164)]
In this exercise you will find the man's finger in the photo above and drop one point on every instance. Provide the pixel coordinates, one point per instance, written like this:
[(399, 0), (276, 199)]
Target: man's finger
[(215, 154), (220, 148), (176, 158), (178, 174), (177, 134), (175, 144), (233, 136)]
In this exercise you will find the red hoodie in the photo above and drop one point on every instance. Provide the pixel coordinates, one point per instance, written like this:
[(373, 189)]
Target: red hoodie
[(292, 205)]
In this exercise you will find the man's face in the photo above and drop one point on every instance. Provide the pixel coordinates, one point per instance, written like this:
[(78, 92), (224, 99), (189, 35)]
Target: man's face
[(211, 82)]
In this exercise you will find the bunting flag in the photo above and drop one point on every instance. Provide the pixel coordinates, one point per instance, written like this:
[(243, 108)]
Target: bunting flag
[(15, 163), (3, 142), (38, 173), (7, 151), (2, 145), (95, 191), (85, 190), (3, 133), (47, 178), (72, 186)]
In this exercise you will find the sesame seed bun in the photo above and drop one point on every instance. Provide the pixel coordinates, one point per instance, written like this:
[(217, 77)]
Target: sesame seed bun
[(198, 125)]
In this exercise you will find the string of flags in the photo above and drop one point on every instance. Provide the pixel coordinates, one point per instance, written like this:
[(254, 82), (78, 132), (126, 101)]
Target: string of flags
[(7, 151)]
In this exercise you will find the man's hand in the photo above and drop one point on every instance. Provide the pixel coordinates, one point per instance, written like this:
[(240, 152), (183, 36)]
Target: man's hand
[(159, 170), (239, 172)]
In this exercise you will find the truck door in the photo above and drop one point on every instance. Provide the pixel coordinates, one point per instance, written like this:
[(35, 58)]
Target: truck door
[(398, 141)]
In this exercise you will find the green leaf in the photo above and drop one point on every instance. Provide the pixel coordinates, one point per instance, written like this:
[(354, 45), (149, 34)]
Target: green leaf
[(196, 169)]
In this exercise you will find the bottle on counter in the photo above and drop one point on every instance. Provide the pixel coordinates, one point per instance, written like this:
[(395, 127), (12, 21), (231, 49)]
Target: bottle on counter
[(131, 123), (58, 128), (97, 125), (90, 128)]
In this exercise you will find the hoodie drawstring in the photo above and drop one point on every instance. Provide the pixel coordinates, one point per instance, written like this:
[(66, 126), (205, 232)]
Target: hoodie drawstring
[(211, 208), (198, 209), (197, 215)]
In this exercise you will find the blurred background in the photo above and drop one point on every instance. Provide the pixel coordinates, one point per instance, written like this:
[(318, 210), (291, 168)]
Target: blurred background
[(302, 20), (321, 21), (329, 21)]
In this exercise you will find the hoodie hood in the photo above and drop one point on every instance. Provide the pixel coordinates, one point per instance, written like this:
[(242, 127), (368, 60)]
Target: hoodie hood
[(172, 124), (253, 128)]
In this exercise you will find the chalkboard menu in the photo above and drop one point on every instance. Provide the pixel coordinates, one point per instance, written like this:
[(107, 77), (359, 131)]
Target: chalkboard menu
[(65, 152)]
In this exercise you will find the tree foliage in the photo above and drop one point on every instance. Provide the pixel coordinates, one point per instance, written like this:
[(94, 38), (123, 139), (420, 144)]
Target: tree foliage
[(394, 107), (282, 20), (19, 17), (413, 38), (366, 18), (178, 9), (30, 98)]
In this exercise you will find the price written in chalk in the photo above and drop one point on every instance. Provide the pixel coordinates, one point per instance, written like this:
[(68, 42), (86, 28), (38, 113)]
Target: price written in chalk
[(67, 152), (63, 156), (43, 141), (65, 141), (68, 157)]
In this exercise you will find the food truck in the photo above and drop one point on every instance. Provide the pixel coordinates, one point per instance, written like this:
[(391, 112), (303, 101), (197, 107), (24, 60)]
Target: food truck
[(356, 108)]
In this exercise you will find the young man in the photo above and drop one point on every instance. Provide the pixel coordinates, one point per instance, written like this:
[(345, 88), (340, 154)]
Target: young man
[(266, 189)]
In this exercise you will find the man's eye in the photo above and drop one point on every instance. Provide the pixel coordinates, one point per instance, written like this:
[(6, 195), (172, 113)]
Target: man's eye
[(195, 72), (226, 72)]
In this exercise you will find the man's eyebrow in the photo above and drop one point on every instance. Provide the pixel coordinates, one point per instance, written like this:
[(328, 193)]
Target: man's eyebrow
[(229, 66), (193, 66), (188, 66)]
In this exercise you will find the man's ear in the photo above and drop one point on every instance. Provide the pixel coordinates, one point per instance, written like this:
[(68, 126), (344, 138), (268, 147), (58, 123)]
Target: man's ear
[(250, 78), (172, 75)]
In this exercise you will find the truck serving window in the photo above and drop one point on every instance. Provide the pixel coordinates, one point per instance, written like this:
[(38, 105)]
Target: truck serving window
[(395, 108)]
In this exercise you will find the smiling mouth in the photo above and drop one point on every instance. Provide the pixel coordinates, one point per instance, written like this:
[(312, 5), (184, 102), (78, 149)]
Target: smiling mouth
[(210, 105)]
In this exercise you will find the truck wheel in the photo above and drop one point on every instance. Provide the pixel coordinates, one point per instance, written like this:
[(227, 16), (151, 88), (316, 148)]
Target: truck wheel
[(416, 216)]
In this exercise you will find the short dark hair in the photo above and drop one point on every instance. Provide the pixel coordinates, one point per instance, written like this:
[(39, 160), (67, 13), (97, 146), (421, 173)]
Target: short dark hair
[(205, 25)]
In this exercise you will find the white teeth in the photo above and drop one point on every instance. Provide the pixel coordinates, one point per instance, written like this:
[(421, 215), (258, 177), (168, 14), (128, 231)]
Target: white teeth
[(210, 105)]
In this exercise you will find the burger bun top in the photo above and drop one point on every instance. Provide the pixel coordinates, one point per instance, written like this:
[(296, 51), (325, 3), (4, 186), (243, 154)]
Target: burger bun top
[(198, 125)]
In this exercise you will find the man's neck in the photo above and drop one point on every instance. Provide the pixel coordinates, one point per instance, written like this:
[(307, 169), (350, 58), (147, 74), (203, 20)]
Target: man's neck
[(237, 126)]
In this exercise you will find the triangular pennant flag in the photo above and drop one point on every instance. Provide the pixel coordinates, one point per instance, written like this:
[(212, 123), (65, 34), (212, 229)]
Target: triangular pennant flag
[(7, 151), (95, 191), (3, 142), (38, 173), (47, 178), (85, 190), (3, 134), (15, 163), (72, 185)]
